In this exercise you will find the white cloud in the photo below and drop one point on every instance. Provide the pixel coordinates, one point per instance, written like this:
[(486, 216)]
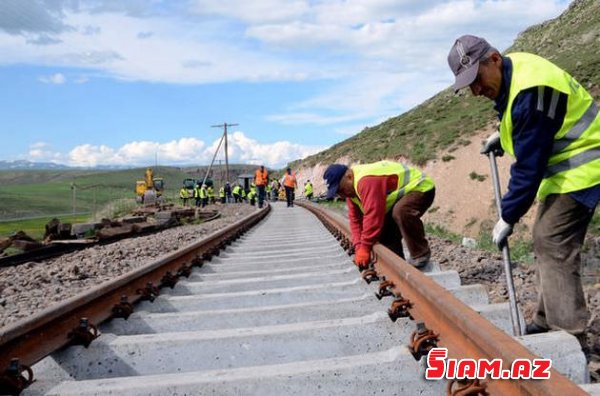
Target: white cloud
[(379, 57), (184, 151), (247, 150), (256, 11), (57, 79), (42, 151)]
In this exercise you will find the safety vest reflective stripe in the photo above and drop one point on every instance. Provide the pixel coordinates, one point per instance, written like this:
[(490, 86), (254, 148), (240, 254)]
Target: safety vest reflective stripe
[(578, 129), (573, 162)]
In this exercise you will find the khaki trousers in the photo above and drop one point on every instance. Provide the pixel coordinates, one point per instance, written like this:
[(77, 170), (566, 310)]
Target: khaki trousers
[(558, 235)]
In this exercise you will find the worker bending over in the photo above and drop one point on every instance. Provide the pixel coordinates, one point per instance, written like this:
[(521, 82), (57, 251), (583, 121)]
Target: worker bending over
[(385, 203), (550, 124)]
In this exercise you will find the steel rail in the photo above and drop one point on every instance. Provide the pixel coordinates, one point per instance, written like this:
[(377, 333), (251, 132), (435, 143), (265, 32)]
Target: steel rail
[(31, 340), (462, 330)]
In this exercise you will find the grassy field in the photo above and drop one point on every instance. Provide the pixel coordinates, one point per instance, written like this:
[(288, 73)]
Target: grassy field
[(35, 227), (29, 199), (46, 193)]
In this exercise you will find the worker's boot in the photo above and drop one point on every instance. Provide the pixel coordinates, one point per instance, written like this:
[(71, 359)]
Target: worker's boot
[(420, 262)]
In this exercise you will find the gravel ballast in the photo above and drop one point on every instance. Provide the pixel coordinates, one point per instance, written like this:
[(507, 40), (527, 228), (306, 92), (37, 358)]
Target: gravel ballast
[(31, 287)]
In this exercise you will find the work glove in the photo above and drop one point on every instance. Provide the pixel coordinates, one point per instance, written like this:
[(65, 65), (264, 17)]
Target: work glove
[(501, 232), (362, 257), (492, 144)]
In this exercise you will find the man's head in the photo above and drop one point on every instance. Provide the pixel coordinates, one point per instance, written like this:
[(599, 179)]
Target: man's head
[(289, 170), (340, 181), (476, 64), (262, 168)]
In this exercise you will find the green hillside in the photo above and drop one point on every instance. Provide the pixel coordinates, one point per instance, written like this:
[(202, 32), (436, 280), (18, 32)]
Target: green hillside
[(34, 193), (446, 121)]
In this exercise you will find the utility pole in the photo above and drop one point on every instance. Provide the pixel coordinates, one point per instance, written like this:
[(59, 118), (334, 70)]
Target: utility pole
[(224, 126), (221, 171)]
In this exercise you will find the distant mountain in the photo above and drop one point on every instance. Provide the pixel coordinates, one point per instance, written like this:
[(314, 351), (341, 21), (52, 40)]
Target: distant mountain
[(25, 165)]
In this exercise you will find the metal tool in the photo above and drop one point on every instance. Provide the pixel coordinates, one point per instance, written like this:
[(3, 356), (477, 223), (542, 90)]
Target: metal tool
[(512, 298)]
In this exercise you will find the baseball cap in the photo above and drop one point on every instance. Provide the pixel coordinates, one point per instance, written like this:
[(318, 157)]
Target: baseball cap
[(333, 175), (464, 58)]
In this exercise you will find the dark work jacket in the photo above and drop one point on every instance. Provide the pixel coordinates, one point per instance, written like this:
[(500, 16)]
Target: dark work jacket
[(533, 137)]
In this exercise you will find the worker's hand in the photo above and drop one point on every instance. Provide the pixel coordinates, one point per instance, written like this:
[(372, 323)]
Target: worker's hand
[(492, 144), (501, 232), (362, 257)]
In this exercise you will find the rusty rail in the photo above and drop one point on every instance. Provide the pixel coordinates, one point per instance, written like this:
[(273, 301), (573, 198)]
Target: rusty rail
[(74, 321), (463, 331)]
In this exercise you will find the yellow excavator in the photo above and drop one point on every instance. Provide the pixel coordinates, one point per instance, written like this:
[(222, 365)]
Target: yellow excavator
[(149, 190)]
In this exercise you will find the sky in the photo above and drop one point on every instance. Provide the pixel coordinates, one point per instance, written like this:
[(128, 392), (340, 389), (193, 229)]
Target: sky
[(143, 82)]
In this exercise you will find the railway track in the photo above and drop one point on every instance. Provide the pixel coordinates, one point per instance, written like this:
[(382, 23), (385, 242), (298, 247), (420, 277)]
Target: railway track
[(282, 310)]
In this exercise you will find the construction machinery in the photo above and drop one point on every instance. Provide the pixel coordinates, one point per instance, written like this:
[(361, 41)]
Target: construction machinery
[(149, 190)]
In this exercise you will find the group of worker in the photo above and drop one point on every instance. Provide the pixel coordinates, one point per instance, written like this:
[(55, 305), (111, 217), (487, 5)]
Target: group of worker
[(550, 124), (202, 195), (262, 188), (267, 187)]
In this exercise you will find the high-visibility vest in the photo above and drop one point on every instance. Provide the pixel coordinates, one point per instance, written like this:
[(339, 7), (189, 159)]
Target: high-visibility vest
[(183, 193), (203, 193), (236, 190), (575, 160), (409, 179), (196, 192), (261, 178), (222, 192), (308, 189), (289, 180), (210, 191)]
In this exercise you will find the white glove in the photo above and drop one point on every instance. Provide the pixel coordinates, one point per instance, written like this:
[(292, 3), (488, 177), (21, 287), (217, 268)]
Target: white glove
[(501, 232), (492, 143)]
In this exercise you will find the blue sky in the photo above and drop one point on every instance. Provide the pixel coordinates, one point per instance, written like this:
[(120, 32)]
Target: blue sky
[(100, 82)]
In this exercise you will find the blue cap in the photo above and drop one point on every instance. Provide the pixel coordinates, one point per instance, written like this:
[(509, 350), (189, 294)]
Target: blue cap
[(333, 175)]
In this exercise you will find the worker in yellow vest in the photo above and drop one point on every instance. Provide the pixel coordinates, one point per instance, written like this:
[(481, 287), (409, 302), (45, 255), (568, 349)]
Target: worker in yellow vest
[(210, 192), (550, 125), (203, 194), (385, 203), (252, 194), (222, 194), (237, 193), (308, 190), (197, 195), (184, 195)]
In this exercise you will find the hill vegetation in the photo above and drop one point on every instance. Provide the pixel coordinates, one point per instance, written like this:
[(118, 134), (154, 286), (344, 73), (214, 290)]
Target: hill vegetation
[(447, 120), (56, 192)]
